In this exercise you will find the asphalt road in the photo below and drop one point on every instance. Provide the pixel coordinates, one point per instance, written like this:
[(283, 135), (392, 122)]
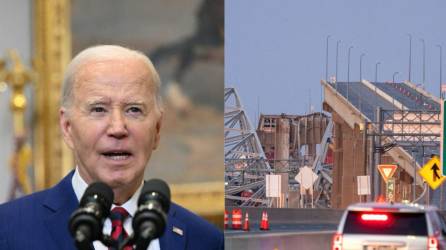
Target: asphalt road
[(281, 237), (282, 228)]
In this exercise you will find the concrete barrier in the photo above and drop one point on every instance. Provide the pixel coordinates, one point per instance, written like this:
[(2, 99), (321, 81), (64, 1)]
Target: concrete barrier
[(293, 215), (291, 228), (287, 239), (281, 241)]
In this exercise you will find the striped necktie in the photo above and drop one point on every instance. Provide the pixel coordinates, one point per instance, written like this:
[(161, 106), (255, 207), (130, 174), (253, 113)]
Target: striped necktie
[(118, 233)]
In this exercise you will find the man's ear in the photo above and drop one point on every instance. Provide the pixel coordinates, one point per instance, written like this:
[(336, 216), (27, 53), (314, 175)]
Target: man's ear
[(158, 131), (65, 126)]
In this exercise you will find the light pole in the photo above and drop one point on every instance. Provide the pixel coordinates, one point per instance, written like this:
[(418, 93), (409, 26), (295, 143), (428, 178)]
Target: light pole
[(348, 64), (360, 66), (414, 177), (424, 61), (376, 71), (393, 77), (441, 66), (393, 81), (326, 60), (348, 70), (410, 54), (337, 56)]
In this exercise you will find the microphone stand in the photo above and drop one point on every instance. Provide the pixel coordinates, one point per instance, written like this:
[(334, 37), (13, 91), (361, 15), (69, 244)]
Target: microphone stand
[(129, 241), (142, 242), (83, 238), (84, 245), (108, 241), (146, 235)]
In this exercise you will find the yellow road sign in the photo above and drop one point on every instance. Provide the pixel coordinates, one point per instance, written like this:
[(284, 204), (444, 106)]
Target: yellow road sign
[(431, 173)]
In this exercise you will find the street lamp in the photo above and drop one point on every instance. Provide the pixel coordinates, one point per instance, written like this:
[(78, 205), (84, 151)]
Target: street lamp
[(376, 71), (348, 64), (441, 66), (410, 54), (424, 61), (393, 77), (337, 56), (348, 70), (326, 60), (414, 175), (360, 66)]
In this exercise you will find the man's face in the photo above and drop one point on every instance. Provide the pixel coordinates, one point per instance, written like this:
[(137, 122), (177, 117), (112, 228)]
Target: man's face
[(113, 123)]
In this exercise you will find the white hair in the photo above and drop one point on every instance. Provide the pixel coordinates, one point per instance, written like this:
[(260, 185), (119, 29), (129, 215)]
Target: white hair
[(106, 52)]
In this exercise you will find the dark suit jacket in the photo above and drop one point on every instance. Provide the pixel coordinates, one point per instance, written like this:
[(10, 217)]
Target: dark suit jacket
[(40, 222)]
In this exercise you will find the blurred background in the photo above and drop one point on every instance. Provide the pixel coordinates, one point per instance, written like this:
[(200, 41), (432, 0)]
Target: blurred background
[(185, 40)]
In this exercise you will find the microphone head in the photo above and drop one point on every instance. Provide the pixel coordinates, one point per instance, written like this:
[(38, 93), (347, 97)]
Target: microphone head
[(156, 189), (100, 192), (87, 221)]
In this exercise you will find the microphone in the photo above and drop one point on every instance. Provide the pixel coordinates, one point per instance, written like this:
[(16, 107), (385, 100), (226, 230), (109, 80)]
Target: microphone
[(150, 218), (87, 221)]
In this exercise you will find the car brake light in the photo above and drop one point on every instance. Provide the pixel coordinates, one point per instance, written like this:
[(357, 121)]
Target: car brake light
[(337, 242), (375, 217), (432, 243)]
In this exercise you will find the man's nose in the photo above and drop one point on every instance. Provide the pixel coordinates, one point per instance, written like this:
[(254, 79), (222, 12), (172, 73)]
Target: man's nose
[(117, 127)]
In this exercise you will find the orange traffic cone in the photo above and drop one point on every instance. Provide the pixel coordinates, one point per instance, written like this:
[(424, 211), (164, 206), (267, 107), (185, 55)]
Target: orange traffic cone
[(381, 199), (237, 219), (226, 219), (264, 224), (246, 223)]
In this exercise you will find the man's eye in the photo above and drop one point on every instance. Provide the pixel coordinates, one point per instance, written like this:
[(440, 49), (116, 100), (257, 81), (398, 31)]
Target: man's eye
[(97, 109), (134, 110)]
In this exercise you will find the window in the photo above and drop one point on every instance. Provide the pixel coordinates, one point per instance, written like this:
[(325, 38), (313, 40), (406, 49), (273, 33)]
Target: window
[(395, 224)]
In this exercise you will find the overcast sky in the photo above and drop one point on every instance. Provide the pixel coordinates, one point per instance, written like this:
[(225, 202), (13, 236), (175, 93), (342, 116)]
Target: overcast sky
[(276, 50)]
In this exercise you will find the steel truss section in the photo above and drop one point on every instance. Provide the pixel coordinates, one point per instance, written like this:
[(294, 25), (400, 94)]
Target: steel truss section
[(415, 131), (411, 129), (324, 183), (245, 161)]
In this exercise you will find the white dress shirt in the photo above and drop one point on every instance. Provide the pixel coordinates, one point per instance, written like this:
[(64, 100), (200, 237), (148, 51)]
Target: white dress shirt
[(79, 186)]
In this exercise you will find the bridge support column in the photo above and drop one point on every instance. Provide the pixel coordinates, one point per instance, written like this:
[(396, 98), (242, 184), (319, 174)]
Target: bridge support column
[(349, 162)]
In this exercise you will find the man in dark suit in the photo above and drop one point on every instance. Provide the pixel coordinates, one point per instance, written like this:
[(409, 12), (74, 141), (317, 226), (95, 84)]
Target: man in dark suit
[(111, 118)]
